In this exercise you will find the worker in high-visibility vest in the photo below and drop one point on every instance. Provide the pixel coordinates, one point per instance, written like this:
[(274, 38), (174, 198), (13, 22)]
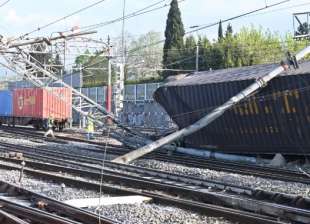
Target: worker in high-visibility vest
[(50, 124), (90, 128)]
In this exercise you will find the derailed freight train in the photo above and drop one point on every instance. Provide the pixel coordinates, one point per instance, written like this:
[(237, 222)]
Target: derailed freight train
[(275, 120), (34, 106)]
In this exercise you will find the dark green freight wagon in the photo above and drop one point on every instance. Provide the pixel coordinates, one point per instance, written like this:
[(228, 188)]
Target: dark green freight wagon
[(275, 120)]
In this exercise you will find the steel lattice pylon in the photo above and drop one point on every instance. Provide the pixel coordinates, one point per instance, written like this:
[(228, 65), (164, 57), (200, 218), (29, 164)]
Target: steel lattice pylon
[(25, 65)]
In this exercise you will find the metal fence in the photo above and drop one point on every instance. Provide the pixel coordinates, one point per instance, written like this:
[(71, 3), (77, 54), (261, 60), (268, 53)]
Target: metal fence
[(140, 109), (140, 92)]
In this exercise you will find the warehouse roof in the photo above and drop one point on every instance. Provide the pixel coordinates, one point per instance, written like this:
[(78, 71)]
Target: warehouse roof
[(235, 74)]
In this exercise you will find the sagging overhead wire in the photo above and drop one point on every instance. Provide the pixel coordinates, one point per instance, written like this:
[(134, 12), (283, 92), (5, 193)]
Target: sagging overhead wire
[(237, 17), (60, 19), (133, 14), (281, 9), (141, 11), (130, 15), (216, 23), (4, 3)]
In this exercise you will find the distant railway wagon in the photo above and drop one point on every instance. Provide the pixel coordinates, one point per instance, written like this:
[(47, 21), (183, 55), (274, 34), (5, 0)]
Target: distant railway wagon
[(33, 106), (275, 120), (6, 103)]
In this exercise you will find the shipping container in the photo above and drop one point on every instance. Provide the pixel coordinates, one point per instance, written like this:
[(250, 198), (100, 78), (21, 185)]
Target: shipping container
[(43, 103), (275, 120), (6, 103)]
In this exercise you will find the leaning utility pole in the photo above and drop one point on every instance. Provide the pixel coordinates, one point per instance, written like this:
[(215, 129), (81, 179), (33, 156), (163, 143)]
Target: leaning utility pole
[(120, 80), (216, 113), (109, 87)]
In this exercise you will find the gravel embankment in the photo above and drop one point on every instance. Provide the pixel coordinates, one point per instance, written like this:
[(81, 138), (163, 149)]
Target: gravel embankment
[(128, 214), (48, 188), (230, 178), (154, 214)]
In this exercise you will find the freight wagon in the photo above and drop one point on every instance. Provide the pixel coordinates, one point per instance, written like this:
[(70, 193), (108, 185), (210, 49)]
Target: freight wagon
[(34, 106), (276, 120), (6, 106)]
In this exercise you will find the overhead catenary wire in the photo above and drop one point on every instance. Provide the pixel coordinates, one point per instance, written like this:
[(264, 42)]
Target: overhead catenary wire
[(280, 9), (236, 17), (125, 17), (270, 11), (4, 3), (216, 23), (62, 18), (158, 3), (260, 52), (128, 16), (205, 27)]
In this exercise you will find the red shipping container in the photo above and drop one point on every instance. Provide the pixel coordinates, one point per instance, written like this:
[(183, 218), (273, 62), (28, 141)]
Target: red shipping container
[(53, 102)]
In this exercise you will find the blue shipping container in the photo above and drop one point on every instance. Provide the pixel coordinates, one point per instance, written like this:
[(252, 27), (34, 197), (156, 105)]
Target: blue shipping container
[(6, 103)]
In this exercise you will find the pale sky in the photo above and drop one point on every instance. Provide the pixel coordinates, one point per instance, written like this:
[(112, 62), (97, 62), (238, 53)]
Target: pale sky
[(20, 16)]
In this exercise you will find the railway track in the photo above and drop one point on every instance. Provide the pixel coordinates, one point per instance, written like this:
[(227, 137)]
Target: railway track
[(275, 205), (157, 198), (21, 206), (190, 161)]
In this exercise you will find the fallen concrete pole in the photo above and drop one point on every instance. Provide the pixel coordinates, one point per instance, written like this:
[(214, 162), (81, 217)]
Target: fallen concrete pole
[(206, 120), (105, 201), (216, 155)]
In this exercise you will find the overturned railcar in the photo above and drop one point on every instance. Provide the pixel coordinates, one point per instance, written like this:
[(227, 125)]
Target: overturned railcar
[(275, 120)]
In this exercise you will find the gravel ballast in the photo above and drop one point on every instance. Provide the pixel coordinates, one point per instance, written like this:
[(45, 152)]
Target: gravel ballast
[(154, 214), (48, 188), (145, 213), (229, 178), (128, 214)]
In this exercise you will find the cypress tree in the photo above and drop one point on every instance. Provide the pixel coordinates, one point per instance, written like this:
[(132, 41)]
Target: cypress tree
[(220, 31), (229, 31), (174, 42)]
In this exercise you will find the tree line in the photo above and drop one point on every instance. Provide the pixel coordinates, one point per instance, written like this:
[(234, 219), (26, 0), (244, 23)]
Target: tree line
[(249, 46), (149, 62)]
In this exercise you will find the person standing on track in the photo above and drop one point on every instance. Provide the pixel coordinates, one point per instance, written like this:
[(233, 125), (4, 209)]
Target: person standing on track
[(50, 131), (90, 128)]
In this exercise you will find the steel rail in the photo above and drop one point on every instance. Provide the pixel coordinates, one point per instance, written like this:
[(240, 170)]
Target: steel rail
[(38, 208), (198, 190), (233, 167), (204, 208), (10, 219)]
